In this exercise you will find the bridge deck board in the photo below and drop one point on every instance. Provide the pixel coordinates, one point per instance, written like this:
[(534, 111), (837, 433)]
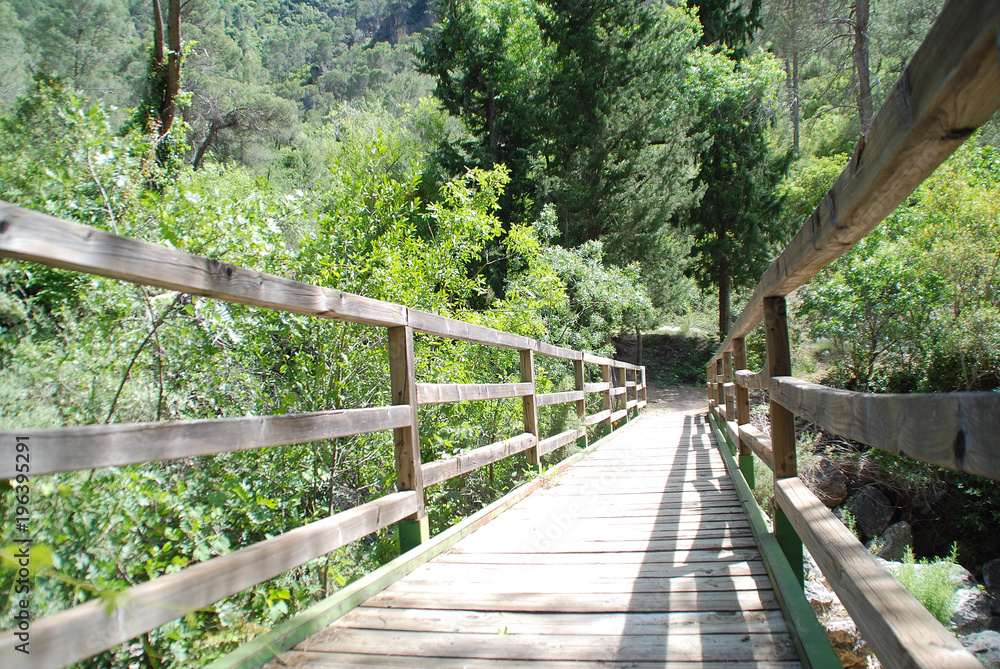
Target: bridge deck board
[(637, 556)]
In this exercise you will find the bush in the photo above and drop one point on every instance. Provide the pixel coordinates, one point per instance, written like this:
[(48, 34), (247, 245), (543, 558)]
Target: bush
[(932, 582)]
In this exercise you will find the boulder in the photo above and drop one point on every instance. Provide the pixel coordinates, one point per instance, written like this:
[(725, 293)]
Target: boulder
[(872, 511), (892, 544), (820, 597), (827, 482), (991, 579), (985, 646), (972, 611)]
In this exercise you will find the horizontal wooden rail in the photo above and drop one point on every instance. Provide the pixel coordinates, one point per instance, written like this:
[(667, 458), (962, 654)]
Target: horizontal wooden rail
[(440, 393), (955, 430), (631, 404), (552, 443), (618, 390), (618, 415), (900, 631), (86, 447), (37, 237), (759, 443), (596, 387), (598, 417), (442, 470), (548, 399), (744, 378), (85, 630), (948, 89)]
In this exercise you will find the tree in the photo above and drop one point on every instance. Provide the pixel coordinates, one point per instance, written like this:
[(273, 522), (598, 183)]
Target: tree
[(616, 143), (737, 225)]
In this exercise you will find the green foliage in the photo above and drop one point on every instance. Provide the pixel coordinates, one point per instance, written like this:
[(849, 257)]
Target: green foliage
[(914, 306), (932, 582)]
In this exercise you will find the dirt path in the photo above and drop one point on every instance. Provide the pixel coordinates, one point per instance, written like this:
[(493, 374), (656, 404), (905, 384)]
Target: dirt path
[(687, 400)]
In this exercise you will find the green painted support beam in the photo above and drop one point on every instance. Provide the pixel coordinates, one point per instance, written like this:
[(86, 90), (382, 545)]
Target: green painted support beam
[(809, 637), (791, 544), (746, 466), (412, 533)]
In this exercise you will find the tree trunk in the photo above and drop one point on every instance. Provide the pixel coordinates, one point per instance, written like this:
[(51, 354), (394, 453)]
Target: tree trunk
[(865, 111), (638, 346), (725, 317), (199, 155), (796, 120), (172, 83)]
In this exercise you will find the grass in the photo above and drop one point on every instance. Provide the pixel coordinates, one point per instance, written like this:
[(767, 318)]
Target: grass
[(932, 582)]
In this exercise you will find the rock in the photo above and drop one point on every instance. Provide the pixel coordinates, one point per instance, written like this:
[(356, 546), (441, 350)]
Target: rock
[(892, 544), (820, 597), (985, 646), (827, 482), (972, 611), (846, 642), (991, 579), (872, 511)]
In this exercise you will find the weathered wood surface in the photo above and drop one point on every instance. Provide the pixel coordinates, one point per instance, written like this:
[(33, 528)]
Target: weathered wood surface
[(442, 470), (442, 326), (759, 443), (441, 393), (956, 430), (779, 363), (548, 399), (949, 89), (90, 446), (638, 555), (596, 387), (744, 378), (900, 631), (76, 634), (30, 235), (598, 417), (566, 437), (403, 390)]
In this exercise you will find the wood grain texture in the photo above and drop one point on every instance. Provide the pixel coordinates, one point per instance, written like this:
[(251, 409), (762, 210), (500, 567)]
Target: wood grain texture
[(959, 431), (900, 631), (550, 351), (759, 443), (450, 328), (947, 90), (403, 389), (530, 408), (30, 235), (598, 417), (548, 399), (596, 387), (442, 470), (566, 437), (744, 378), (90, 446), (441, 393), (76, 634), (779, 363)]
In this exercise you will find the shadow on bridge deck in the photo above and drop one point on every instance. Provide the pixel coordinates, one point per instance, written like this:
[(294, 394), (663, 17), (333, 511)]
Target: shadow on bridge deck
[(637, 556)]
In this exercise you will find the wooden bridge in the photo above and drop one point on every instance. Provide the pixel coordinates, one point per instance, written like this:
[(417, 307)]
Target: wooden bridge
[(645, 550)]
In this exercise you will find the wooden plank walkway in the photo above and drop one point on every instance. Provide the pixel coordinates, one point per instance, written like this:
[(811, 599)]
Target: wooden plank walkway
[(637, 556)]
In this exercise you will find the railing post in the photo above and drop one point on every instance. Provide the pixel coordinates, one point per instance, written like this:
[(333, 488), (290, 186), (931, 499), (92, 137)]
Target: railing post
[(579, 381), (743, 409), (710, 380), (530, 408), (606, 375), (779, 363), (414, 530), (720, 392), (727, 377)]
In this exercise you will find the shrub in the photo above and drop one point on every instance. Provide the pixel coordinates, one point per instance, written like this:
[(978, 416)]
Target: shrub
[(932, 582)]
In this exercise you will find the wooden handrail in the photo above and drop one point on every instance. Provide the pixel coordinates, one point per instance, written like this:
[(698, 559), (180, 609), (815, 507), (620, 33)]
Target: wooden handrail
[(948, 90), (954, 430), (85, 630)]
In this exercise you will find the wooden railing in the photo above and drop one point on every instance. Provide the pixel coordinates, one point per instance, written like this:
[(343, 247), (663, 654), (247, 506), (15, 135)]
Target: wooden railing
[(85, 630), (949, 89)]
